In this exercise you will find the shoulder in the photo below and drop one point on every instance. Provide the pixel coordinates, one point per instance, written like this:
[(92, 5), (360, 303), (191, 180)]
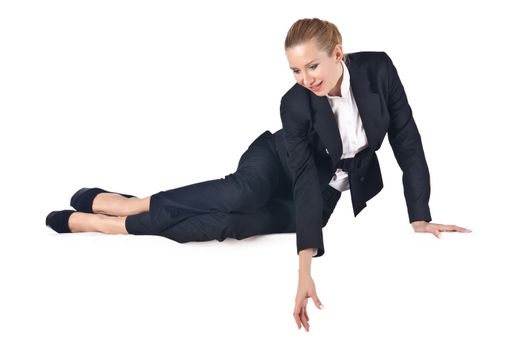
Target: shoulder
[(296, 92), (374, 63), (297, 97), (367, 58)]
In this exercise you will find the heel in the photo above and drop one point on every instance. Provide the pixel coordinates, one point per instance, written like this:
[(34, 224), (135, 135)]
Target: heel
[(58, 220)]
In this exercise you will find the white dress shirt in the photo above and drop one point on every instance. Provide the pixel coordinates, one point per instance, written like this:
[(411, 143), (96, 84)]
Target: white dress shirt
[(350, 128)]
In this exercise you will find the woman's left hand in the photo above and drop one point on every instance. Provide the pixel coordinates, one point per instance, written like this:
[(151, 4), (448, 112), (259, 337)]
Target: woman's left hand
[(436, 229)]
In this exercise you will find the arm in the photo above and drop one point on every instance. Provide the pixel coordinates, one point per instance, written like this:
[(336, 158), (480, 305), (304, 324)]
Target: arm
[(406, 144), (305, 181), (305, 260), (308, 209), (407, 147)]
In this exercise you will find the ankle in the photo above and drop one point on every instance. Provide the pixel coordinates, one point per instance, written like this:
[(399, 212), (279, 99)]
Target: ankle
[(79, 222)]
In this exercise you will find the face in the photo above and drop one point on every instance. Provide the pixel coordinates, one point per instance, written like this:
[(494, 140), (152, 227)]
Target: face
[(314, 70)]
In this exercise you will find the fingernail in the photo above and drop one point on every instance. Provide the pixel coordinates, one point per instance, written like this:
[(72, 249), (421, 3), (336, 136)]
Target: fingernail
[(322, 306)]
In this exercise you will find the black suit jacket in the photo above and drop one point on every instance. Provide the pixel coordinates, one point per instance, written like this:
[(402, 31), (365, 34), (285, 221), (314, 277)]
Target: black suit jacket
[(312, 146)]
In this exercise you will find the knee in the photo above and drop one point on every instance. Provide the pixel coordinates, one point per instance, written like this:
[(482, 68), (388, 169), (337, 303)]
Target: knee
[(249, 194), (253, 199)]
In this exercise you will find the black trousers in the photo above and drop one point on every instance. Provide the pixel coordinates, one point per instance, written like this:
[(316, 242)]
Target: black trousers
[(256, 199)]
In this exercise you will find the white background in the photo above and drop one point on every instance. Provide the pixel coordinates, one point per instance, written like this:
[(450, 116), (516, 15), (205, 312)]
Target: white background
[(142, 96)]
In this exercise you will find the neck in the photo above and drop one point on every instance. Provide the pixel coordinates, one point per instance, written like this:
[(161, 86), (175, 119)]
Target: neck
[(336, 91)]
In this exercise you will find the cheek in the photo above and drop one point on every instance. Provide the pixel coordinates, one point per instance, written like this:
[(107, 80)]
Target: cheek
[(320, 74)]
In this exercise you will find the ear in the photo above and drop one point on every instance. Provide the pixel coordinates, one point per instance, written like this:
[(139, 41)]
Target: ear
[(338, 53)]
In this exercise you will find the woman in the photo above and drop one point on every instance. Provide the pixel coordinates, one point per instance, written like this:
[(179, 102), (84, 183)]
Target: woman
[(334, 119)]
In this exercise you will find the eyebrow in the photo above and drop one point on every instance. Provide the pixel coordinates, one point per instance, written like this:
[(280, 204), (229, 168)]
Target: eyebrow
[(307, 64)]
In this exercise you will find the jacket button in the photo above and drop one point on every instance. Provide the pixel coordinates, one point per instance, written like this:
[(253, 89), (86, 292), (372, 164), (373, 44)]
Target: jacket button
[(361, 178), (326, 150)]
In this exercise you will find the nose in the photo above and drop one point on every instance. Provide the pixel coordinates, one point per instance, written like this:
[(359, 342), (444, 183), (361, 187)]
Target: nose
[(307, 80)]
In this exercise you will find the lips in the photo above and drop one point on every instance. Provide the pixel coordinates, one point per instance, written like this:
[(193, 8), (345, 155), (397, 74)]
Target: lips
[(315, 86)]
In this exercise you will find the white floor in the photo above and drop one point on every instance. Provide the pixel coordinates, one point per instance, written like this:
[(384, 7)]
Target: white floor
[(142, 97)]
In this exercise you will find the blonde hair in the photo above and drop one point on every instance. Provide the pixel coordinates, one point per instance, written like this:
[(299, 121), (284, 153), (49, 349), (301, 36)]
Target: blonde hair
[(325, 34)]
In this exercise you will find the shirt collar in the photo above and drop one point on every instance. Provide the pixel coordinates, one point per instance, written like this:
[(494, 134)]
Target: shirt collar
[(345, 83)]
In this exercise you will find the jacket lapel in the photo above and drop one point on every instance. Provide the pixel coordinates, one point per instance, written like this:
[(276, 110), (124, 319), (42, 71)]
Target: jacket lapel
[(368, 102), (368, 105), (326, 127)]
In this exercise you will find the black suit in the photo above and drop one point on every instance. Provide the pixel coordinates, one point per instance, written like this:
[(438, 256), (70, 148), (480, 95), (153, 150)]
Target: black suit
[(281, 181), (312, 144), (256, 199)]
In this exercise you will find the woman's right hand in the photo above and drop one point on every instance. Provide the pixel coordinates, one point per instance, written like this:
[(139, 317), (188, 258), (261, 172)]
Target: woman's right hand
[(305, 290)]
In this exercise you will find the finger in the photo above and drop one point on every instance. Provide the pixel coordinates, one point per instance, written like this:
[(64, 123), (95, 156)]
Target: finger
[(453, 228), (317, 301), (304, 320), (433, 231), (305, 309), (297, 321), (462, 229), (296, 315), (442, 228)]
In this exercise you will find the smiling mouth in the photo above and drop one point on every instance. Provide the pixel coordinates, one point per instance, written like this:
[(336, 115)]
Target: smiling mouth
[(316, 86)]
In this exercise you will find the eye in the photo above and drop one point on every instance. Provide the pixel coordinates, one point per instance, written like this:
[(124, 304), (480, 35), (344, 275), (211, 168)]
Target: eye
[(312, 67)]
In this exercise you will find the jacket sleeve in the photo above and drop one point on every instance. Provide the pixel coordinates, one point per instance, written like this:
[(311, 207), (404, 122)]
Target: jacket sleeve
[(306, 189), (406, 144)]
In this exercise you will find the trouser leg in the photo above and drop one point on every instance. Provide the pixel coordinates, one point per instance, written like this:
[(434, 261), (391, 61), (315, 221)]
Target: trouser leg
[(256, 199), (278, 216), (248, 188), (255, 181)]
